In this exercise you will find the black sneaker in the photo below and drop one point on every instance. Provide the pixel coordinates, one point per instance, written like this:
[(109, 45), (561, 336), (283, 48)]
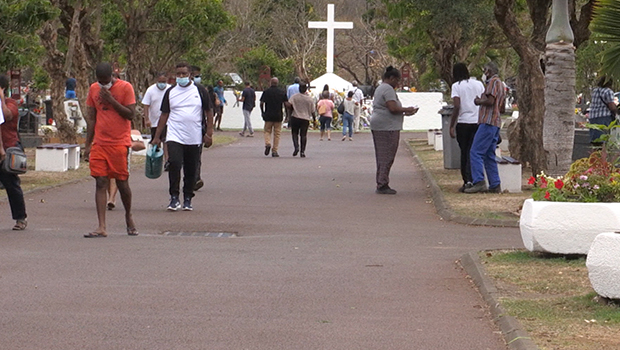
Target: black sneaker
[(199, 184), (187, 204), (385, 190), (274, 154), (467, 185), (268, 149), (174, 204), (496, 189), (479, 186), (166, 166)]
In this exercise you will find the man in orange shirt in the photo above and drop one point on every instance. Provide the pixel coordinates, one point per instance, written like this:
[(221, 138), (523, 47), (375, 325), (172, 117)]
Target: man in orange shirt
[(111, 106)]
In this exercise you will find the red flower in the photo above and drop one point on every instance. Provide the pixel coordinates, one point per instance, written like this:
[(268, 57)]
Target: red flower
[(559, 184), (547, 195), (531, 181)]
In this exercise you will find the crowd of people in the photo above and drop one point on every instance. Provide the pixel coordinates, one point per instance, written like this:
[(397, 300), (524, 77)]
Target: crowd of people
[(183, 117)]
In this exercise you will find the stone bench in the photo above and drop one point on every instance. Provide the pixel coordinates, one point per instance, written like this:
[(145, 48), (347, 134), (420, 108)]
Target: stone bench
[(57, 157), (604, 264)]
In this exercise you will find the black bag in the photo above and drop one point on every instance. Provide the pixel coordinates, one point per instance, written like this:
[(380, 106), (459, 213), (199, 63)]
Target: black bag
[(15, 162), (341, 108)]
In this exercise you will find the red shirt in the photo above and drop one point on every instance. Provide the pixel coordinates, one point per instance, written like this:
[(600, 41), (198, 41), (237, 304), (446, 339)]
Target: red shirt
[(111, 129), (10, 137)]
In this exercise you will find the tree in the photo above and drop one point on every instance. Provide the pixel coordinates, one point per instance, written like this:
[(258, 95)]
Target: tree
[(605, 25), (153, 34), (437, 34), (72, 48), (251, 62), (526, 138), (559, 121), (20, 19)]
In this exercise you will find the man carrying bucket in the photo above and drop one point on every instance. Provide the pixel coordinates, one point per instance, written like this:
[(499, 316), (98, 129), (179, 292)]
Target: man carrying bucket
[(188, 114), (111, 106)]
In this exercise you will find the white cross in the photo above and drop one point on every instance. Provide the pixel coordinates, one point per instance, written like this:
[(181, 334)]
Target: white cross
[(330, 25)]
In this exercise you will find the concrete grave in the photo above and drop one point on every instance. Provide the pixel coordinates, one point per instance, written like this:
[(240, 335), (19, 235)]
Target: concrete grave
[(565, 227), (604, 265)]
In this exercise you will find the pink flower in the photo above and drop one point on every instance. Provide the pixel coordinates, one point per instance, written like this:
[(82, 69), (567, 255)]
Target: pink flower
[(596, 187), (583, 177)]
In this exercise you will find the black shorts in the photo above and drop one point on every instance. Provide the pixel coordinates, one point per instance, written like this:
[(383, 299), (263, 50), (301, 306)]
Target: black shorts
[(163, 133)]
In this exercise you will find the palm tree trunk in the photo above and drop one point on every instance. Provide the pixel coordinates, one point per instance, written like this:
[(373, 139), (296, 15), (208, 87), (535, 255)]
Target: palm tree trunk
[(559, 122)]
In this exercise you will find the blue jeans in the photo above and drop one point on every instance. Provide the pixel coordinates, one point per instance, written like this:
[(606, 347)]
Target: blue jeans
[(482, 155), (595, 134), (347, 122)]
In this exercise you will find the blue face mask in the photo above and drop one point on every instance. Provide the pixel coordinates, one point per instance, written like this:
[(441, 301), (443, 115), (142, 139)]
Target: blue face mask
[(161, 86), (197, 80), (183, 81)]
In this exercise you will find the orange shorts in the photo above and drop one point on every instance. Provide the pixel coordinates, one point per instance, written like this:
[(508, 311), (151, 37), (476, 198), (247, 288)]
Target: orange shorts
[(109, 161)]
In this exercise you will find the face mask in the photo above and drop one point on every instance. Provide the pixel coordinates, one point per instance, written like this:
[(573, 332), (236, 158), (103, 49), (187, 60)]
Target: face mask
[(484, 77), (197, 80), (161, 86), (183, 81), (106, 86)]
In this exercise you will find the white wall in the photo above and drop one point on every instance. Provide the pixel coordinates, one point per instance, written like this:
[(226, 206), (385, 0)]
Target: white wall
[(426, 118)]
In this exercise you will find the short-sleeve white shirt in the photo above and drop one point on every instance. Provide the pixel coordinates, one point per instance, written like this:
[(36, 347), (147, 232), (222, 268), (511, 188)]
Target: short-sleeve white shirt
[(467, 91), (185, 118), (152, 98), (358, 95)]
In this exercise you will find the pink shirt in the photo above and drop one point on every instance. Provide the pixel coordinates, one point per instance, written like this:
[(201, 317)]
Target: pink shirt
[(328, 104)]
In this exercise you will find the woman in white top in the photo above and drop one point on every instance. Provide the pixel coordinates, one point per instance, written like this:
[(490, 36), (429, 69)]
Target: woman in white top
[(464, 122)]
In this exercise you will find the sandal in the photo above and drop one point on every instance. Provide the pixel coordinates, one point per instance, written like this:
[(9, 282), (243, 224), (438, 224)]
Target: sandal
[(132, 231), (20, 225), (95, 235), (111, 205)]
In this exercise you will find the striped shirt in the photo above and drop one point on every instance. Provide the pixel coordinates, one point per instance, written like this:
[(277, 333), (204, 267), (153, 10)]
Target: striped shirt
[(600, 98), (490, 114)]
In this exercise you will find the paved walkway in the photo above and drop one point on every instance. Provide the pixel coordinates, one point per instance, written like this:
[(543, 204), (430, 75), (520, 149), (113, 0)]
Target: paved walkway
[(320, 261)]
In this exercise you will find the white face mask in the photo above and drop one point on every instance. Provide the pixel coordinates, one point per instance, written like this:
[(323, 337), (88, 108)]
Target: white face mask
[(484, 77), (106, 86)]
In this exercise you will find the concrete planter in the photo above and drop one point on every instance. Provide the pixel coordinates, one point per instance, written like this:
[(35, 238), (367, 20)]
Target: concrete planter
[(566, 227), (604, 265)]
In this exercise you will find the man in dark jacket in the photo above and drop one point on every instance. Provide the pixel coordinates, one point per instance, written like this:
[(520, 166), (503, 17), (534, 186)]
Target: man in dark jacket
[(271, 103)]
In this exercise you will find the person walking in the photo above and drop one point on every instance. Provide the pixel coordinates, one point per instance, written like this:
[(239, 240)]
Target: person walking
[(111, 106), (603, 110), (464, 121), (385, 125), (303, 108), (293, 88), (348, 116), (271, 103), (358, 98), (219, 111), (248, 97), (9, 118), (70, 85), (325, 108), (482, 153), (187, 111), (152, 109)]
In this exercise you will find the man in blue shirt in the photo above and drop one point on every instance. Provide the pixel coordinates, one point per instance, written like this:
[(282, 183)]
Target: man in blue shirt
[(219, 111), (293, 89)]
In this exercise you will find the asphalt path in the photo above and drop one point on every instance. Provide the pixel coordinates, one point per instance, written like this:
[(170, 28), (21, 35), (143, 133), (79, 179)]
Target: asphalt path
[(318, 261)]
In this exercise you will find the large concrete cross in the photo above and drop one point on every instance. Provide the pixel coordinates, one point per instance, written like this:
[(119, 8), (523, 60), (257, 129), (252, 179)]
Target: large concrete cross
[(330, 25)]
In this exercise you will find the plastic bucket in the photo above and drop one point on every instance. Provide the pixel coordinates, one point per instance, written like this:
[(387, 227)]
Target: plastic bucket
[(154, 162)]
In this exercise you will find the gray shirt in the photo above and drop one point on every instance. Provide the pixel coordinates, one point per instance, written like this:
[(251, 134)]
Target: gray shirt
[(382, 119)]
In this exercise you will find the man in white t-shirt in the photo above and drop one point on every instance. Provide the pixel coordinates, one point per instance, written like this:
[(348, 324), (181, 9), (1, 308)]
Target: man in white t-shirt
[(152, 108), (358, 98), (464, 121), (188, 114)]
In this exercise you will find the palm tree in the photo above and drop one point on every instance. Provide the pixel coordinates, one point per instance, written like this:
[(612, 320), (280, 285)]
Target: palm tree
[(606, 26), (558, 125)]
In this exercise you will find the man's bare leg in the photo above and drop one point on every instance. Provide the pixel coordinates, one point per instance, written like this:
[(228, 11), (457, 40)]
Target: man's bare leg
[(125, 191), (101, 198)]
